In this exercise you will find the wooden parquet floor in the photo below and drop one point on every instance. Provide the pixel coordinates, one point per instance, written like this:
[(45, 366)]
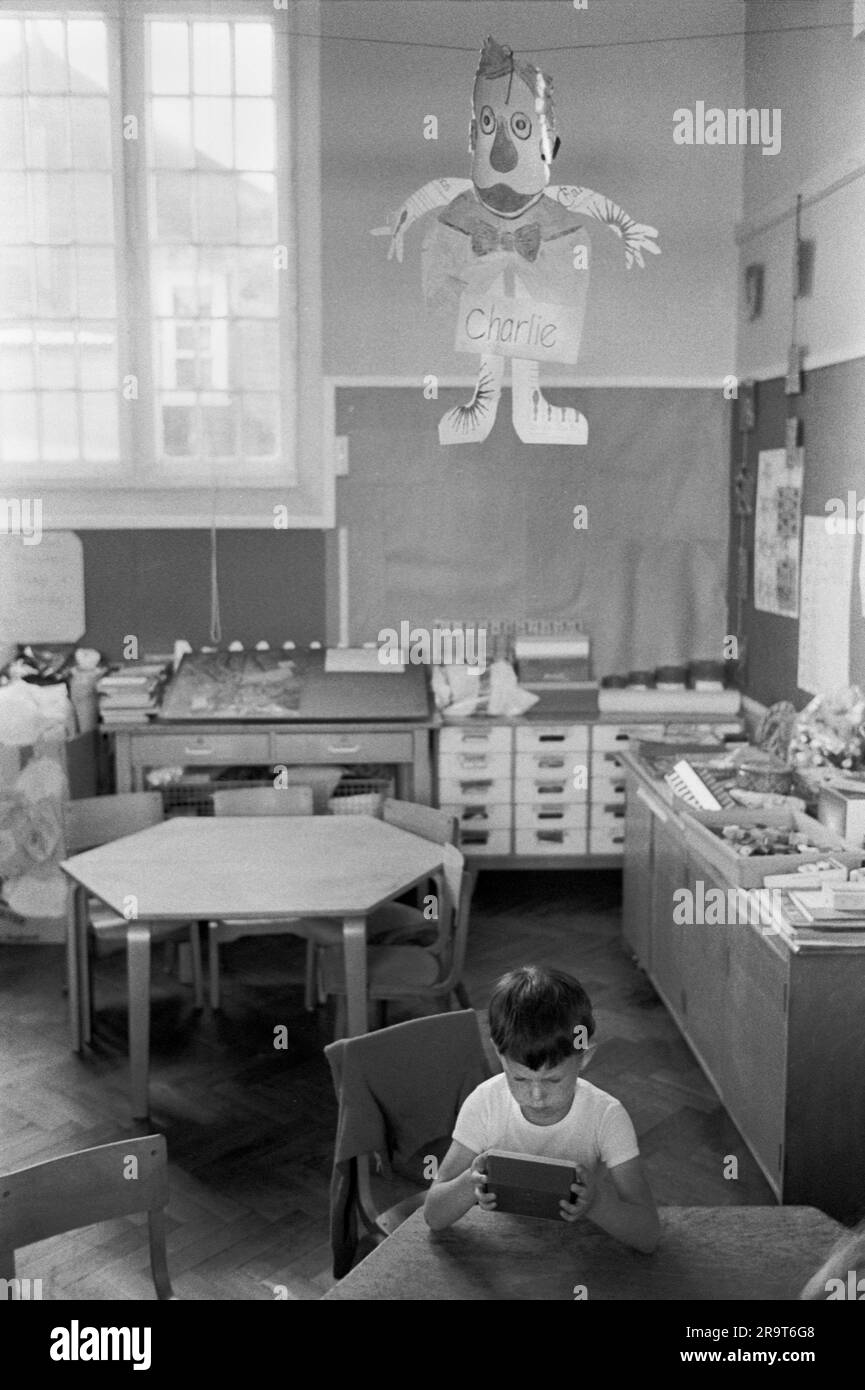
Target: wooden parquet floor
[(250, 1128)]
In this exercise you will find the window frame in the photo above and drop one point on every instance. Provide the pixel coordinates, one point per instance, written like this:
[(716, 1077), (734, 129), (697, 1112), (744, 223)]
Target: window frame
[(138, 490)]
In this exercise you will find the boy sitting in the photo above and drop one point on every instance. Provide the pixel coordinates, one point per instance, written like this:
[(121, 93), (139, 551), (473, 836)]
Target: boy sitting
[(541, 1023)]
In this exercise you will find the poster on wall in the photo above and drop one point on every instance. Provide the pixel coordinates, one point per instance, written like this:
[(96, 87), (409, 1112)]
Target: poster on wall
[(824, 623), (777, 531)]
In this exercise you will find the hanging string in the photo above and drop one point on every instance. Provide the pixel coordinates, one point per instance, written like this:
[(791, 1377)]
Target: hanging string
[(215, 618), (570, 47)]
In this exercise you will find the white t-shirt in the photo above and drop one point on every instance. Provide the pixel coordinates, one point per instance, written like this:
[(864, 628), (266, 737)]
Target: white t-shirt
[(596, 1129)]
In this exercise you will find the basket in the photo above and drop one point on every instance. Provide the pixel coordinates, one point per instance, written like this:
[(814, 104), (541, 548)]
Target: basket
[(360, 797)]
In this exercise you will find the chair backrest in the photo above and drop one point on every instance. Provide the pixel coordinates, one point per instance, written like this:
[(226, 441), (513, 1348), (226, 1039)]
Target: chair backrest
[(424, 821), (292, 800), (81, 1189), (97, 820)]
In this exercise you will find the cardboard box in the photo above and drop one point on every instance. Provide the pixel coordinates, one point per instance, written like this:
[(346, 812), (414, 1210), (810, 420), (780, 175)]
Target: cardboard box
[(749, 871)]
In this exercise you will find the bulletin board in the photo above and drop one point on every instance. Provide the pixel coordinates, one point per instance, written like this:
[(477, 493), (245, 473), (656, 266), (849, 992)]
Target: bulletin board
[(487, 530), (832, 411)]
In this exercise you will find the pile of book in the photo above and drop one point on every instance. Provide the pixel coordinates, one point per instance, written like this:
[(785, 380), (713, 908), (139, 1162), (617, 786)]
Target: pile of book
[(128, 694)]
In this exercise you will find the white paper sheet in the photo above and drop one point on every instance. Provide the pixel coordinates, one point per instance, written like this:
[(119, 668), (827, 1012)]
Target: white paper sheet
[(777, 525), (363, 660), (41, 588), (824, 620)]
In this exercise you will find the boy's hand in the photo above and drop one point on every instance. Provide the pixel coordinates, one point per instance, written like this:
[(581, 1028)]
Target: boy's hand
[(584, 1191), (478, 1174)]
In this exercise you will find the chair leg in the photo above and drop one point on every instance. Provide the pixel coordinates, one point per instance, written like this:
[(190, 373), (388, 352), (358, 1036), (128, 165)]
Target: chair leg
[(462, 995), (213, 962), (310, 981), (340, 1026), (195, 953)]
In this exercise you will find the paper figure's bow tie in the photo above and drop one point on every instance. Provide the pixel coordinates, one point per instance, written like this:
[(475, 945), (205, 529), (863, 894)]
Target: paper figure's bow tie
[(526, 241)]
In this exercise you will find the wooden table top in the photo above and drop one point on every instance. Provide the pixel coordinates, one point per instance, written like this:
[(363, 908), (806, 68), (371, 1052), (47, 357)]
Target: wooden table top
[(706, 1253), (256, 867)]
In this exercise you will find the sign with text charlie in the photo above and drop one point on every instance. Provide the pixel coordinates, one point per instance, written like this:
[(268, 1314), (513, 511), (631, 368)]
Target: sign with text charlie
[(519, 327)]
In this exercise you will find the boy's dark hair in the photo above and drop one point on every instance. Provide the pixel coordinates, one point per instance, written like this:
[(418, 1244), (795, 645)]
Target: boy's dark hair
[(533, 1014)]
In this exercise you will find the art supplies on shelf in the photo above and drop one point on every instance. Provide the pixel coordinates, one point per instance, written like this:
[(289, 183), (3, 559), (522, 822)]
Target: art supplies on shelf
[(128, 694), (698, 789)]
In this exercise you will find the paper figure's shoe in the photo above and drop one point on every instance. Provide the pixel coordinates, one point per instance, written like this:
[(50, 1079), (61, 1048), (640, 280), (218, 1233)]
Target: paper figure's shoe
[(470, 423), (536, 420)]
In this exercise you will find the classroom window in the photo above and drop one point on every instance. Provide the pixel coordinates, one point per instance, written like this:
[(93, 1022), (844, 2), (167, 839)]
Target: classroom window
[(147, 293)]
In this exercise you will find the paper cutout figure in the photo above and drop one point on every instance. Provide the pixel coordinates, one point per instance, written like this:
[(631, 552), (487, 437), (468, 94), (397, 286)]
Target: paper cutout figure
[(511, 253)]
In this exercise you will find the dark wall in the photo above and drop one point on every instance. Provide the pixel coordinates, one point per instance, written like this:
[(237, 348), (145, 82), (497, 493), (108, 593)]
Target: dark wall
[(832, 409), (156, 585)]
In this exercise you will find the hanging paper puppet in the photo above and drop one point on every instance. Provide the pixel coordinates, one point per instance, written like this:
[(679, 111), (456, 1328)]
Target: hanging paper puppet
[(510, 252)]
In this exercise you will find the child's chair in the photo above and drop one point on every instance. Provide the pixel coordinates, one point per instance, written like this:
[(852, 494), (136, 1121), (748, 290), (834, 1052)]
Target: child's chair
[(293, 800), (81, 1189), (426, 973), (97, 820), (399, 1092)]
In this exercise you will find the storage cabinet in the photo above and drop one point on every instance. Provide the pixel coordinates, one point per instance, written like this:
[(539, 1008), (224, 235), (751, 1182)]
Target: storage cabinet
[(775, 1019)]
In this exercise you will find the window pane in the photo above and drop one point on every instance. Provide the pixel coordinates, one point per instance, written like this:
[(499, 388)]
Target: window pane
[(254, 284), (97, 357), (253, 59), (95, 208), (49, 133), (254, 134), (12, 49), (11, 132), (17, 370), (211, 58), (17, 298), (96, 298), (174, 280), (59, 426), (178, 436), (256, 208), (173, 207), (169, 58), (213, 142), (51, 203), (46, 56), (55, 359), (18, 433), (99, 426), (257, 346), (217, 210), (172, 133), (91, 133), (13, 201), (218, 431), (88, 55), (55, 281), (260, 426)]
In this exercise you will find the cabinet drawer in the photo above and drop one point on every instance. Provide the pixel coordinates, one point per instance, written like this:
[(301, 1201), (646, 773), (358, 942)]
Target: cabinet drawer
[(496, 738), (342, 747), (608, 792), (605, 736), (551, 760), (200, 748), (548, 815), (551, 840), (540, 788), (468, 763), (541, 737), (480, 815), (474, 788), (480, 841), (607, 838), (607, 763)]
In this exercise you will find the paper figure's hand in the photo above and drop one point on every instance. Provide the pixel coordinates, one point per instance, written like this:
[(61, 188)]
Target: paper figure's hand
[(396, 232), (638, 238)]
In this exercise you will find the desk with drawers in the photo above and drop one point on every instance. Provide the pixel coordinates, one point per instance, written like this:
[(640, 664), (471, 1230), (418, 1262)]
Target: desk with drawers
[(531, 793)]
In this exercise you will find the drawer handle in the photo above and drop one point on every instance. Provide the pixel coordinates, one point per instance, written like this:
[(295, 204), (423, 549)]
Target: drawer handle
[(473, 759), (615, 811), (196, 752), (551, 738), (612, 758), (479, 786), (551, 762), (473, 813), (474, 738), (553, 837), (343, 748), (550, 788), (551, 815), (475, 837)]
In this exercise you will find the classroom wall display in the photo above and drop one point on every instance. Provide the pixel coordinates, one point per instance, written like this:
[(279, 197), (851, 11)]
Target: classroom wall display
[(777, 530), (509, 254), (832, 413), (628, 535)]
